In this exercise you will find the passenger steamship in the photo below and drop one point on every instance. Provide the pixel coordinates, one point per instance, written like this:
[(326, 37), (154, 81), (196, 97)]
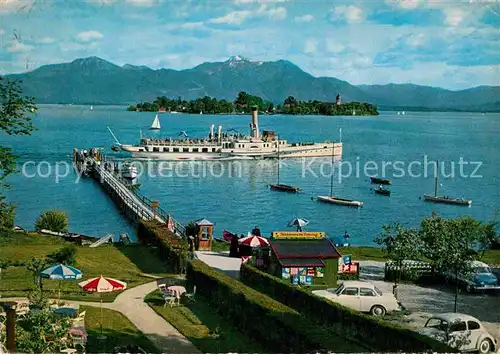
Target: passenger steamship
[(221, 145)]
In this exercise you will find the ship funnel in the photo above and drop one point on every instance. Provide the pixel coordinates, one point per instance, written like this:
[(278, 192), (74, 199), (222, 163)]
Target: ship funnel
[(212, 131), (219, 133), (255, 122)]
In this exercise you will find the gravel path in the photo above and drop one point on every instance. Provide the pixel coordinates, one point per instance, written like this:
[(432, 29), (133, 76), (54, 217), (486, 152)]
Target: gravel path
[(424, 301)]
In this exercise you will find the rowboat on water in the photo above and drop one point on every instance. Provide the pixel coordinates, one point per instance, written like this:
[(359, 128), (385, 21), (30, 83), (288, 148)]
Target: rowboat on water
[(340, 201), (284, 188), (381, 190), (380, 180)]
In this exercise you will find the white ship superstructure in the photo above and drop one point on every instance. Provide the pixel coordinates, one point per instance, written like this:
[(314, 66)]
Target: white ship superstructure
[(222, 145)]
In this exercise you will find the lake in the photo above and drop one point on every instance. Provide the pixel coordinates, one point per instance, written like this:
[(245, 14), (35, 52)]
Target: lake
[(235, 194)]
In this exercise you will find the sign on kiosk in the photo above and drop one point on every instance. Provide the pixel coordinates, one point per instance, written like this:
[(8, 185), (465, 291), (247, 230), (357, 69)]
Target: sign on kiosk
[(347, 266), (290, 235)]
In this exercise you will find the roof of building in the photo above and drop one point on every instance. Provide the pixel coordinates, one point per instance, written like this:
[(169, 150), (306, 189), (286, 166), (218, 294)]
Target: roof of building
[(301, 262), (316, 248), (204, 222)]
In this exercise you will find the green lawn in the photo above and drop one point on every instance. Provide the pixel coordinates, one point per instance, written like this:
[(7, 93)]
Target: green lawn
[(201, 324), (362, 253), (116, 327), (126, 263)]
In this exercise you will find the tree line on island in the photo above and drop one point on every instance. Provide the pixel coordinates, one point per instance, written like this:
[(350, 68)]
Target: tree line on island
[(244, 102)]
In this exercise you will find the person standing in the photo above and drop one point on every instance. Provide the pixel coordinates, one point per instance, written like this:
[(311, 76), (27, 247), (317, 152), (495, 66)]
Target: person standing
[(256, 231)]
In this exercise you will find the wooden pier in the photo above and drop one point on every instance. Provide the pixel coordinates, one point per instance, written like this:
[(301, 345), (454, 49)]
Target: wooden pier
[(134, 205)]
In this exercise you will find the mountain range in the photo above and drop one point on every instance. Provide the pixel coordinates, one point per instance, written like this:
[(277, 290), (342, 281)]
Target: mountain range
[(94, 80)]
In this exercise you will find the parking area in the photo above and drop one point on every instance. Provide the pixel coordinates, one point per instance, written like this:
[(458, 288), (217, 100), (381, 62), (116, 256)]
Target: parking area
[(424, 301)]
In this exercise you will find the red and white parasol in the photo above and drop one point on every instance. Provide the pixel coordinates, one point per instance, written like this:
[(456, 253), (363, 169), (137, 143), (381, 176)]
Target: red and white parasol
[(254, 241), (102, 285)]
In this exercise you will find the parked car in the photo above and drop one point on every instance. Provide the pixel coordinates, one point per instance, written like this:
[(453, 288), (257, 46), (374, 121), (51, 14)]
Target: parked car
[(479, 277), (361, 296), (460, 331)]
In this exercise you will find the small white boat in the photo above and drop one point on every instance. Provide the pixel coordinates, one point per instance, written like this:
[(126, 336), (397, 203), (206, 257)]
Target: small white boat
[(201, 112), (156, 123), (399, 113), (403, 113), (340, 201), (173, 112), (353, 112), (91, 108), (128, 171)]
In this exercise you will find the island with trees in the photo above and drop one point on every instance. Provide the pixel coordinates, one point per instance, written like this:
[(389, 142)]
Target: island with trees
[(244, 102)]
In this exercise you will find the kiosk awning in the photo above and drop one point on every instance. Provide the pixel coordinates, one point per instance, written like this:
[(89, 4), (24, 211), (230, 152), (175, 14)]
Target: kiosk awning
[(301, 262)]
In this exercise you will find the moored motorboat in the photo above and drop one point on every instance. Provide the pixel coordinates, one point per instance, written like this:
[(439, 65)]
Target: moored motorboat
[(380, 180), (284, 188), (128, 171), (381, 190), (340, 201)]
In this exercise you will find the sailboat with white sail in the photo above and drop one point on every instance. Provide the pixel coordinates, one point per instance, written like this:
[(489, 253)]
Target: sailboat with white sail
[(156, 123)]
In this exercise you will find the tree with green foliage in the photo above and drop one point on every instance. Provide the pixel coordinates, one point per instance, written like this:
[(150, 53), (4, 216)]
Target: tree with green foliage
[(451, 244), (65, 255), (14, 120), (400, 244), (53, 220), (35, 266)]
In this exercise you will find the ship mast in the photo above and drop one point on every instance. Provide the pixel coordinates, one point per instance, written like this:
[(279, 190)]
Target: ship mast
[(278, 139), (333, 161), (436, 180)]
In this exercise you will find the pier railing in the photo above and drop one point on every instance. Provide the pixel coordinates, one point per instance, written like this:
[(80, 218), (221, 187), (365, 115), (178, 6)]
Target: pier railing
[(118, 183)]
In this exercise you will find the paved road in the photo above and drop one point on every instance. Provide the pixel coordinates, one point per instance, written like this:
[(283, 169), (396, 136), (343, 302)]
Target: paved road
[(222, 262), (423, 301)]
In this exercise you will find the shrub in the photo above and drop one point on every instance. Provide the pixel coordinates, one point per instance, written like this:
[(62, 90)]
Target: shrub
[(7, 213), (348, 276), (170, 248), (64, 255), (411, 271), (339, 320), (52, 220), (284, 329)]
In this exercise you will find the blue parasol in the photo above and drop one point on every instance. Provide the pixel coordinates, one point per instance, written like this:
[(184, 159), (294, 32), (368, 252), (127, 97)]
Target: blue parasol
[(61, 272)]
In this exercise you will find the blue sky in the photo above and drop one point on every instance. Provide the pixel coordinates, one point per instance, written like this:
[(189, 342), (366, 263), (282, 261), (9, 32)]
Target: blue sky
[(451, 44)]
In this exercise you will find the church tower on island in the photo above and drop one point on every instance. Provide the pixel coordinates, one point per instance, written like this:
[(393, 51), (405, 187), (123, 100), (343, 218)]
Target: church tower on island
[(338, 100)]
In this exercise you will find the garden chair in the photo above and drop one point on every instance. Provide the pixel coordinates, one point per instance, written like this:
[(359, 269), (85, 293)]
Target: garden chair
[(169, 298), (163, 288), (80, 319), (22, 308), (190, 296)]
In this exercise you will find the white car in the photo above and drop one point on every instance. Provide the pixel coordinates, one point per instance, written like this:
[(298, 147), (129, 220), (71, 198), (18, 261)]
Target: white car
[(361, 296), (460, 331)]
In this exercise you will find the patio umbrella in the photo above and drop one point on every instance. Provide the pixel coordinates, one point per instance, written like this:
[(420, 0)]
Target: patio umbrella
[(298, 222), (61, 272), (102, 285), (254, 241)]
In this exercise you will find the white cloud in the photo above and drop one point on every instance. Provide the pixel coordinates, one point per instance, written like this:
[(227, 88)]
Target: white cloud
[(238, 17), (192, 25), (454, 16), (233, 18), (304, 18), (13, 6), (334, 46), (1, 31), (46, 40), (143, 3), (416, 40), (89, 36), (351, 13), (140, 3), (18, 47), (310, 46), (244, 2), (278, 13)]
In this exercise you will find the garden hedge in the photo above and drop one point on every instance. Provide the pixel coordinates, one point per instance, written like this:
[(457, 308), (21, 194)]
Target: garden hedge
[(371, 331), (170, 248), (280, 328)]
